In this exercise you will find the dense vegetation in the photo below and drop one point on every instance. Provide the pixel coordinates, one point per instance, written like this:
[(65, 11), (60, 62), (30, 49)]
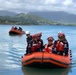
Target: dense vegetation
[(25, 19), (29, 19)]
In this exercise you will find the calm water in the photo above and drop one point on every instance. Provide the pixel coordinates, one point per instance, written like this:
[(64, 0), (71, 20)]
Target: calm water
[(13, 47)]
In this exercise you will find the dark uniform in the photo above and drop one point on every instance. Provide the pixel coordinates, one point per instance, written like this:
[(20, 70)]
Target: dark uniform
[(61, 47), (28, 39), (40, 45)]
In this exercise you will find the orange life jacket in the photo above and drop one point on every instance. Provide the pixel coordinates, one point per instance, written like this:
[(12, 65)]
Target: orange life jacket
[(48, 49), (34, 48), (60, 46), (39, 44)]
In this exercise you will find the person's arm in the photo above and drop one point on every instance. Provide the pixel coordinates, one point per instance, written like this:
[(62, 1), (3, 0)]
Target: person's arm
[(66, 47), (54, 47), (42, 46)]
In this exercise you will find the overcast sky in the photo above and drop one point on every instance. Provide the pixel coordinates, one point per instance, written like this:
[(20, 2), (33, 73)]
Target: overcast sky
[(38, 5)]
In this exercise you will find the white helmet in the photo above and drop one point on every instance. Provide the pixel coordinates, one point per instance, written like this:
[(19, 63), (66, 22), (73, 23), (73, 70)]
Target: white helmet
[(27, 32)]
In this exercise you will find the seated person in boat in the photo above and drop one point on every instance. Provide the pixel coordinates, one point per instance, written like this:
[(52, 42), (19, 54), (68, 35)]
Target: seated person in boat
[(48, 47), (39, 42), (20, 29), (15, 28), (32, 46), (29, 36), (12, 27), (61, 45), (28, 39)]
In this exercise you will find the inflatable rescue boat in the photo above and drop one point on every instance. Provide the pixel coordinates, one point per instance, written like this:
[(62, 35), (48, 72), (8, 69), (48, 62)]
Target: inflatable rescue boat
[(16, 32), (40, 58)]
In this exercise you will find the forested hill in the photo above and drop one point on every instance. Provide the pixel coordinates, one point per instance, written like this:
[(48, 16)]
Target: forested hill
[(37, 18), (57, 16), (25, 19)]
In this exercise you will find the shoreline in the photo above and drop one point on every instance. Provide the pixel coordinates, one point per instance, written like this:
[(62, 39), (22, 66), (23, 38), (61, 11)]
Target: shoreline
[(43, 24)]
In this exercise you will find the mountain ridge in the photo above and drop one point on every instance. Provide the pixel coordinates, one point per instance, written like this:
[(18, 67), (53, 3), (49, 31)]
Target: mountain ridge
[(58, 16), (53, 17), (7, 13), (25, 19)]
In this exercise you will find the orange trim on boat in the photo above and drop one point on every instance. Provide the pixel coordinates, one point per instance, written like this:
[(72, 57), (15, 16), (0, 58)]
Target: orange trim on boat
[(45, 57), (13, 31)]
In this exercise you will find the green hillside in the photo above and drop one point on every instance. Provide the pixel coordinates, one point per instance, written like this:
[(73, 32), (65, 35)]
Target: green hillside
[(25, 19)]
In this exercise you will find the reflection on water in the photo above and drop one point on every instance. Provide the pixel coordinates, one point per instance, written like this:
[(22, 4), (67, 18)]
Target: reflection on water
[(36, 71)]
